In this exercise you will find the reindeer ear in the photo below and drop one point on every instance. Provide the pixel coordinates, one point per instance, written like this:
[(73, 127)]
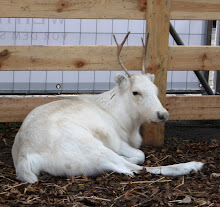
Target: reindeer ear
[(122, 81), (151, 76)]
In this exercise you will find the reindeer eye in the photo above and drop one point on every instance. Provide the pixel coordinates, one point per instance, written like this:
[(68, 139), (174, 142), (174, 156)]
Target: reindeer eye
[(135, 93)]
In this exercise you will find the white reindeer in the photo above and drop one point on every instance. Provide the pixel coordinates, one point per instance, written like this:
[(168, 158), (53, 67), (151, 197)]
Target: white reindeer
[(90, 134)]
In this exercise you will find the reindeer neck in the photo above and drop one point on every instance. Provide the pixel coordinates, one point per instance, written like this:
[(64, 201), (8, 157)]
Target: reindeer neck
[(107, 99), (116, 105)]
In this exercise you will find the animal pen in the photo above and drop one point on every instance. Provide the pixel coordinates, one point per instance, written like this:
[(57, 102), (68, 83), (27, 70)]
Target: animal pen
[(160, 57)]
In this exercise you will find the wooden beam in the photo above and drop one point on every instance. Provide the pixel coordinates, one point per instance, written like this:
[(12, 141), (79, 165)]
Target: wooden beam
[(70, 9), (16, 108), (102, 58), (194, 58), (105, 9), (195, 9), (193, 107), (68, 58), (158, 21)]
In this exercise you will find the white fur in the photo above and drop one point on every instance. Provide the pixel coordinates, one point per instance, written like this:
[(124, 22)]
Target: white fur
[(89, 134), (177, 169)]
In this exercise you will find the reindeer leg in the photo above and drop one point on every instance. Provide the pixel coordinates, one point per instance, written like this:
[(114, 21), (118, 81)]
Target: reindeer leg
[(131, 154), (177, 169)]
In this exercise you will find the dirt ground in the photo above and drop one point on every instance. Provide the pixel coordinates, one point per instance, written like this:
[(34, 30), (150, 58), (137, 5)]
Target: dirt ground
[(185, 141)]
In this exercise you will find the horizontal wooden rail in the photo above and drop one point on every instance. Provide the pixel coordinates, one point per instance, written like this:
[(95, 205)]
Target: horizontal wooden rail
[(15, 109), (102, 58), (194, 58), (105, 9), (193, 107), (67, 57)]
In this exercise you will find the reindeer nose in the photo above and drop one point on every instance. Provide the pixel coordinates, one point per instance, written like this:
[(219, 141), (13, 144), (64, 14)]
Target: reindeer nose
[(162, 116)]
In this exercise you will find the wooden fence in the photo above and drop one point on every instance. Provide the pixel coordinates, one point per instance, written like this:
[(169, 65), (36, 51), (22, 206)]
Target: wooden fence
[(159, 58)]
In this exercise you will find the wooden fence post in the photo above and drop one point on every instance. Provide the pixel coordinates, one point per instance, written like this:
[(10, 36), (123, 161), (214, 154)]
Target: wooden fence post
[(157, 25)]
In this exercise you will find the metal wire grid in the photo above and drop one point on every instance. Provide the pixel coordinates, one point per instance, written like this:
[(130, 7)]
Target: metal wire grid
[(82, 32)]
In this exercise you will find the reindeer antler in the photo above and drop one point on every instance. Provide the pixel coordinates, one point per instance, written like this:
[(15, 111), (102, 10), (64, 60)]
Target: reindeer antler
[(144, 53), (119, 48)]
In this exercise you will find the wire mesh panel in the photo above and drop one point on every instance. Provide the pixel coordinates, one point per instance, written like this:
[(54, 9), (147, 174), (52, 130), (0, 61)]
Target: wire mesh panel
[(191, 32), (35, 31)]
